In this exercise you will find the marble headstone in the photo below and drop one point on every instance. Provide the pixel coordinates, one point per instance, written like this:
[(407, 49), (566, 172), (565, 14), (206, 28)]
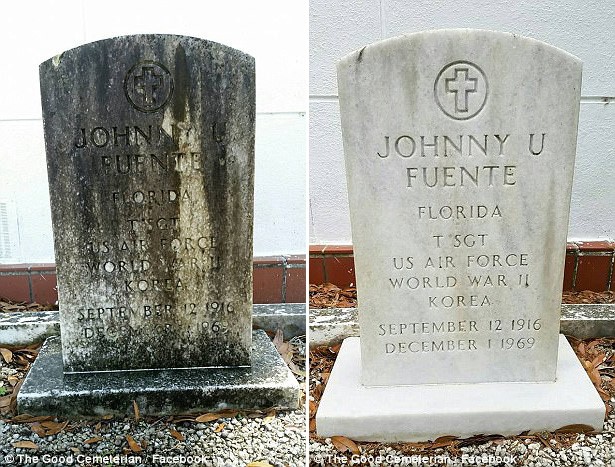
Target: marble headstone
[(150, 155), (459, 149), (459, 176)]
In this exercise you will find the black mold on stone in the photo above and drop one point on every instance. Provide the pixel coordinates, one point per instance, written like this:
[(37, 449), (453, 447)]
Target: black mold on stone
[(170, 95), (267, 383)]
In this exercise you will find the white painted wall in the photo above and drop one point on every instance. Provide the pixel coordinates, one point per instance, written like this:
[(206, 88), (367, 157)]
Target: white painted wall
[(275, 32), (585, 29)]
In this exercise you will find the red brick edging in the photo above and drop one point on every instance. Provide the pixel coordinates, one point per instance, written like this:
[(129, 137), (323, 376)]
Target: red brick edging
[(589, 265), (277, 279)]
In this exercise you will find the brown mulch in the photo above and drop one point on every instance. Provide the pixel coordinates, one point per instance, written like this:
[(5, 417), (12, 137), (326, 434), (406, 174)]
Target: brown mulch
[(331, 296), (10, 306), (588, 296), (14, 364)]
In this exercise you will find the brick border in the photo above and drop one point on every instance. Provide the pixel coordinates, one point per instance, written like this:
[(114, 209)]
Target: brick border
[(589, 265), (277, 279)]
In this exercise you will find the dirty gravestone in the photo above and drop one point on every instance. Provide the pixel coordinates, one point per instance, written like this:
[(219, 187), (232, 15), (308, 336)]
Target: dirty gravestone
[(150, 155)]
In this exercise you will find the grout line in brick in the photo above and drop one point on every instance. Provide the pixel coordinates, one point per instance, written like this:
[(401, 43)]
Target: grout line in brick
[(30, 287), (575, 270), (610, 275), (284, 269)]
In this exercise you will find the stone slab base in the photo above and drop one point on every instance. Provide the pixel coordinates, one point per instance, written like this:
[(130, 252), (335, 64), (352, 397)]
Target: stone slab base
[(28, 327), (425, 412), (289, 317), (587, 321), (268, 383)]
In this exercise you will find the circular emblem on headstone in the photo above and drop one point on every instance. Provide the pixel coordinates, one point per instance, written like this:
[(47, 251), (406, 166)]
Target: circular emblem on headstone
[(461, 90), (148, 86)]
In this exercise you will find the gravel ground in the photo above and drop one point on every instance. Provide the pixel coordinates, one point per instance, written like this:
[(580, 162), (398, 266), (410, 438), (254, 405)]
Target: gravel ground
[(280, 441), (263, 439), (569, 450)]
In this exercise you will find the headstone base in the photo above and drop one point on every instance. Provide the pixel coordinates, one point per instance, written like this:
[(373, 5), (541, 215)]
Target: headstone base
[(268, 383), (425, 412)]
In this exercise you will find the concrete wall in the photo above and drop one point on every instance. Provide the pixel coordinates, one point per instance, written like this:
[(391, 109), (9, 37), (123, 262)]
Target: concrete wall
[(273, 31), (585, 29)]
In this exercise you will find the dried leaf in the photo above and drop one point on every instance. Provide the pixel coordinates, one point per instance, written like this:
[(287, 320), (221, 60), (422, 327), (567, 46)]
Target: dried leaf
[(343, 444), (284, 348), (38, 429), (107, 417), (219, 428), (134, 446), (581, 348), (278, 340), (312, 424), (480, 439), (318, 390), (51, 425), (259, 464), (182, 418), (598, 360), (21, 361), (593, 344), (177, 435), (97, 427), (13, 380), (135, 408), (7, 355), (14, 396), (579, 428), (209, 417), (594, 375), (93, 440), (443, 441), (25, 445), (544, 442), (313, 407), (270, 416), (27, 418), (53, 428)]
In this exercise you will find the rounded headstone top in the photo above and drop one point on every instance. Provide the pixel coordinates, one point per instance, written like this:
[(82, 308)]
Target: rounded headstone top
[(452, 37), (152, 40)]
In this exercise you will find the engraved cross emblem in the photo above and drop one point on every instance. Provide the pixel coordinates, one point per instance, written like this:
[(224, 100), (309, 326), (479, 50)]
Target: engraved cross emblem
[(462, 85), (147, 84)]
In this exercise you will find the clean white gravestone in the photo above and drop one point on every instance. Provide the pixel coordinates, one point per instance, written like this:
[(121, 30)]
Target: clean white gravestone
[(459, 148)]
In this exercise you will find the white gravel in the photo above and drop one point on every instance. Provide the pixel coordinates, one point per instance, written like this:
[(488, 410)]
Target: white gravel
[(587, 450), (279, 441)]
